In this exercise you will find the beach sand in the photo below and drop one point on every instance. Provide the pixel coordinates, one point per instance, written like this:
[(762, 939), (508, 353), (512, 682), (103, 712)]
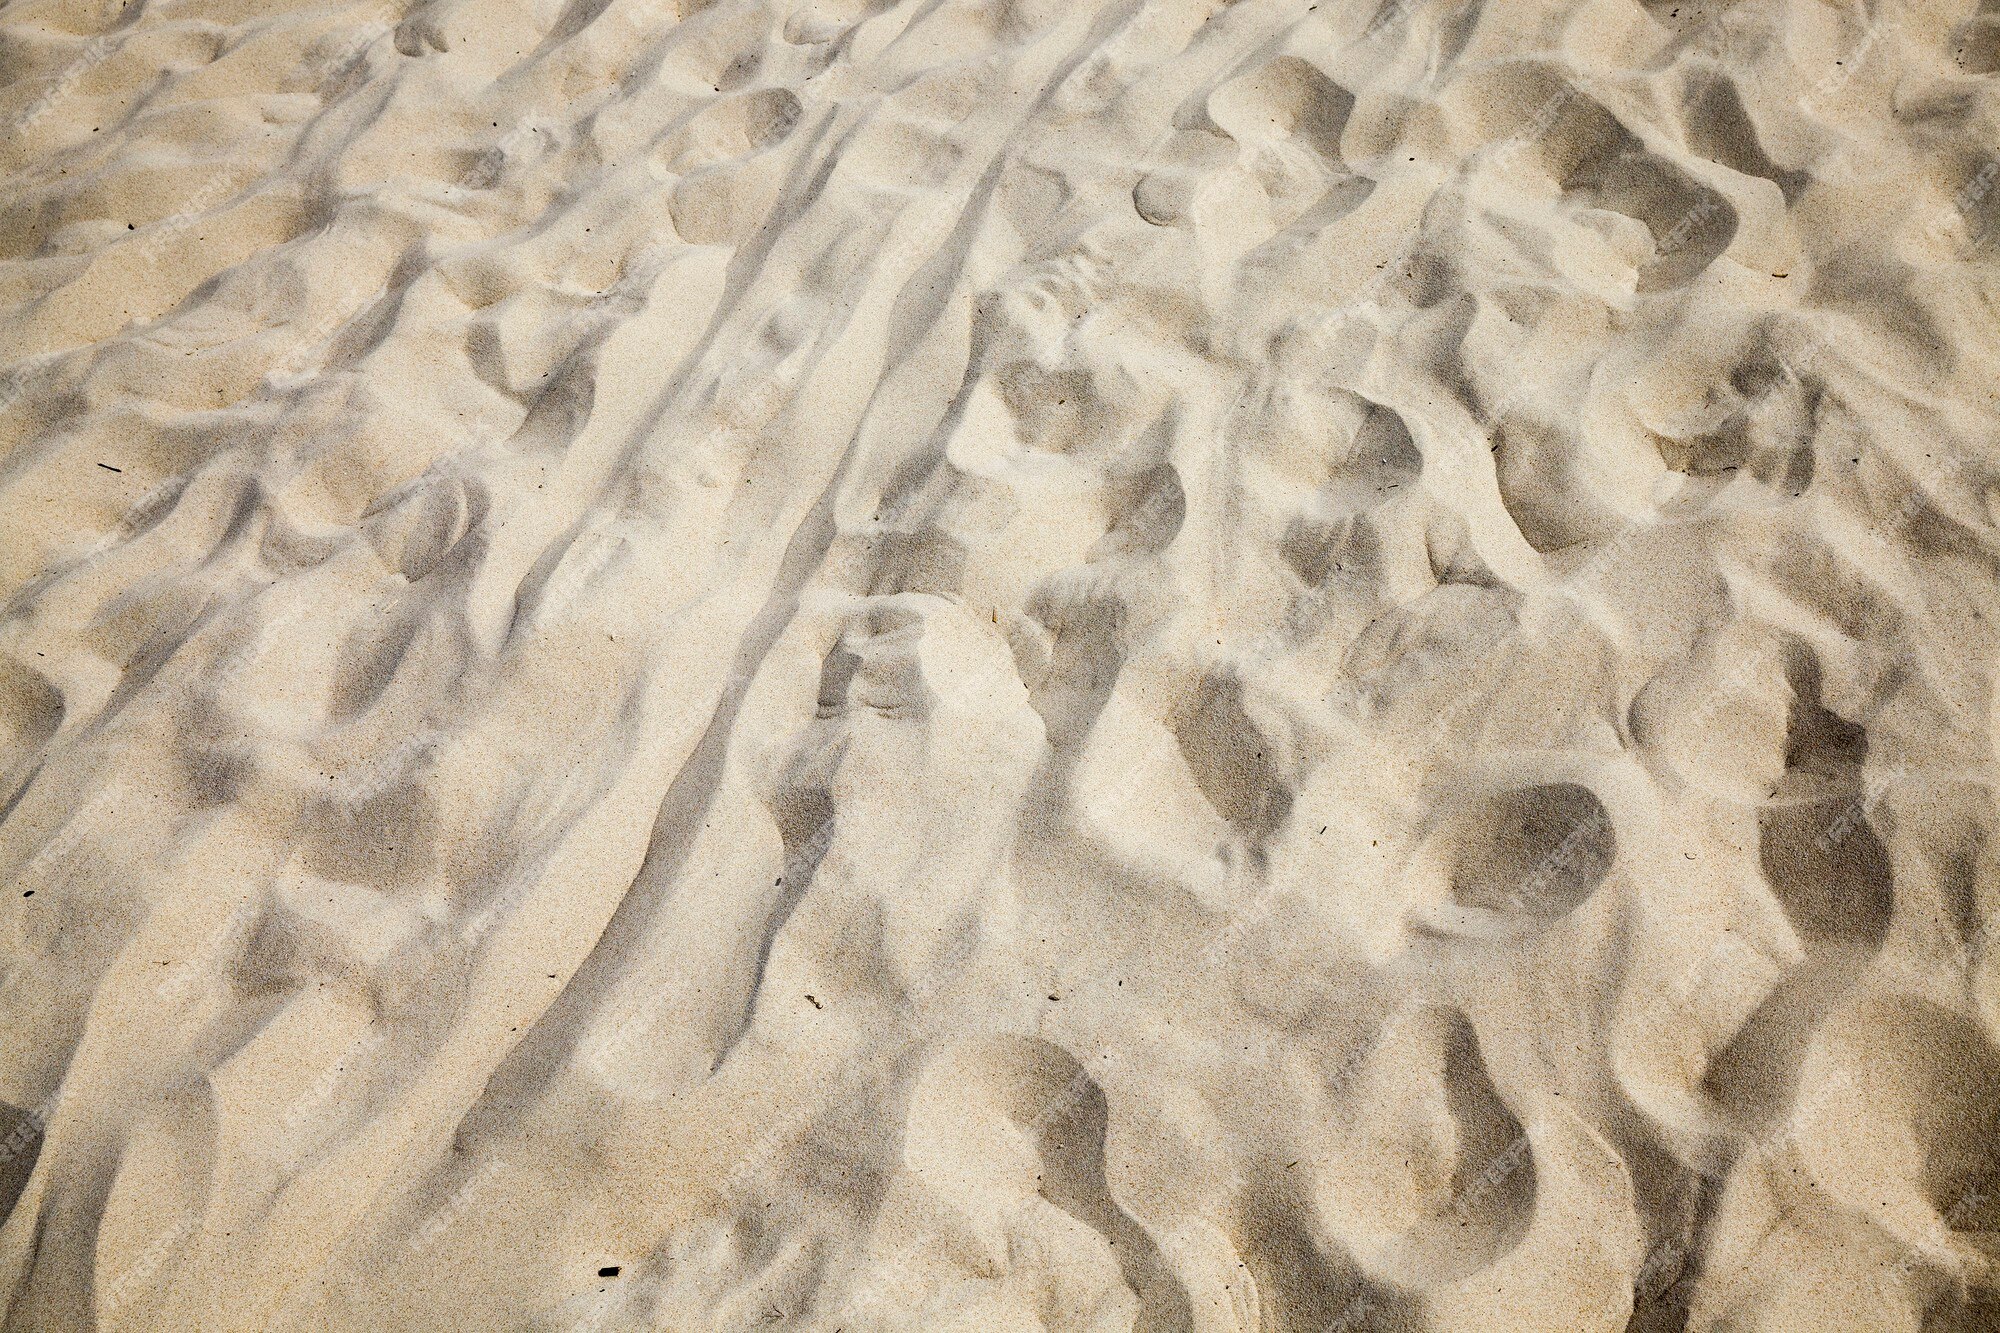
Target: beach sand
[(999, 665)]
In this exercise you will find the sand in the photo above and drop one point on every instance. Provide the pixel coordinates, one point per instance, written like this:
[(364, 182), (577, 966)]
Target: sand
[(999, 665)]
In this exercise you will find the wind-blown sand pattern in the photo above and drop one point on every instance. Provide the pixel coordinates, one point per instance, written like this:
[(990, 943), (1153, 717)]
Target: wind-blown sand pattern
[(999, 665)]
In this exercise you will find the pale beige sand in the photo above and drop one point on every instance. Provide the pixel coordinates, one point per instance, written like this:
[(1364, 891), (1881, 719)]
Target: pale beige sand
[(1077, 665)]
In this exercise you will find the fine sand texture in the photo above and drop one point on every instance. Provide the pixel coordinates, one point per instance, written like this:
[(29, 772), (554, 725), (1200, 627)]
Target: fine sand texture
[(999, 665)]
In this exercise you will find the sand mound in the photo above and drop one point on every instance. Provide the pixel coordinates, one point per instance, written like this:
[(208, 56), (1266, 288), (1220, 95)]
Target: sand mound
[(989, 664)]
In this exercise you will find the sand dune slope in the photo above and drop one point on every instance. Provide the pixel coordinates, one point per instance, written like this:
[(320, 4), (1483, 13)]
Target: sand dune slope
[(998, 664)]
